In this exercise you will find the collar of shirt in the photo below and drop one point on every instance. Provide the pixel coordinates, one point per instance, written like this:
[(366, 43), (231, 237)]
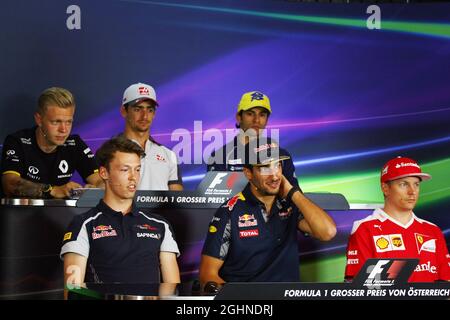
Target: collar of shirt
[(103, 207), (249, 196)]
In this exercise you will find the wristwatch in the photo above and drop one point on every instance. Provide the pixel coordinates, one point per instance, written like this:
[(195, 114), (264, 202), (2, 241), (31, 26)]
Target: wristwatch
[(291, 193), (46, 189)]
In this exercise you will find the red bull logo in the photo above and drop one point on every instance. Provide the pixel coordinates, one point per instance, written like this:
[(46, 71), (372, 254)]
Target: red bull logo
[(232, 202), (101, 228), (247, 220), (102, 231)]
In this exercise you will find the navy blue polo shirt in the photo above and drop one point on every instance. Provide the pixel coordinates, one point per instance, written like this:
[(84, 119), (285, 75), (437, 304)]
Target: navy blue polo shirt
[(231, 157), (119, 248), (251, 248)]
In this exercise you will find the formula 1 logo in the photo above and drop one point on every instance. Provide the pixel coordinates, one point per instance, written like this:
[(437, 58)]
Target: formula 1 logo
[(377, 273), (217, 179)]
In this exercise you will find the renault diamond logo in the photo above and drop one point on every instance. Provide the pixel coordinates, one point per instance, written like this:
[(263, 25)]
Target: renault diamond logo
[(63, 166)]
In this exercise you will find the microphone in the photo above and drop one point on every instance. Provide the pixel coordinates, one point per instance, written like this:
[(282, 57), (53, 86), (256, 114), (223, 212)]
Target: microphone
[(42, 131)]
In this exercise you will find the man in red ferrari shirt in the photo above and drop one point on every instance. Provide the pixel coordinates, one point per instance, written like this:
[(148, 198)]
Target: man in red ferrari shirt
[(395, 231)]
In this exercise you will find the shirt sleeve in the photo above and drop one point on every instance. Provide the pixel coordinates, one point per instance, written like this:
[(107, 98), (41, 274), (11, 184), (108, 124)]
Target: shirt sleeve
[(86, 164), (443, 258), (12, 157), (175, 171), (76, 238), (169, 244), (358, 251), (218, 238)]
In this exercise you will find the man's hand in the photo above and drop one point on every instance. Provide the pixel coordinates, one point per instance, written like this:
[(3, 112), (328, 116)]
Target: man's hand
[(285, 187), (60, 192)]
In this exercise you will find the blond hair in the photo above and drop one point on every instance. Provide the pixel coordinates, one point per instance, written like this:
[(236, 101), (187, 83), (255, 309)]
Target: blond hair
[(59, 97)]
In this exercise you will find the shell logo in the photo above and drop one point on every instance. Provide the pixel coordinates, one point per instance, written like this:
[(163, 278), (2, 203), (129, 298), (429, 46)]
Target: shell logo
[(382, 243), (212, 229)]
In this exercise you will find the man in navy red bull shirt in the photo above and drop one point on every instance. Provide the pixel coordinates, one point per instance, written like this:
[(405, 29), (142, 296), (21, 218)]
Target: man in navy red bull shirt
[(116, 242), (253, 236)]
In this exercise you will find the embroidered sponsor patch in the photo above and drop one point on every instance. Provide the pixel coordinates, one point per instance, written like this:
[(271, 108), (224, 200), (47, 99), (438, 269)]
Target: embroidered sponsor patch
[(248, 233), (425, 243), (247, 220), (102, 231), (389, 242)]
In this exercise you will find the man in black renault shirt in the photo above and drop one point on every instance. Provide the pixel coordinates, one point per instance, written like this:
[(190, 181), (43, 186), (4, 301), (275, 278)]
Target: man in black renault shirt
[(39, 162)]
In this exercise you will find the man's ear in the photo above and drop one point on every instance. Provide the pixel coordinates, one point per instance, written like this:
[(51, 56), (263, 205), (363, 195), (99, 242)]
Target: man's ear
[(123, 111), (103, 172), (238, 118), (385, 188), (248, 173), (38, 119)]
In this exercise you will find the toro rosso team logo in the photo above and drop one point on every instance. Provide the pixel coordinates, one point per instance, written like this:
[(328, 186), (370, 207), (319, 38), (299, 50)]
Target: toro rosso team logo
[(146, 227), (247, 220), (103, 231)]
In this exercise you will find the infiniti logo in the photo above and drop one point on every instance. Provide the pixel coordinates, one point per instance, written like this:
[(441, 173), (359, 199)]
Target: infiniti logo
[(10, 152), (33, 170)]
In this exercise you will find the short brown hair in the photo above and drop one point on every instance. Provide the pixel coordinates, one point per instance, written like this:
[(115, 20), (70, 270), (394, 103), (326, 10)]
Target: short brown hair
[(105, 154), (60, 97)]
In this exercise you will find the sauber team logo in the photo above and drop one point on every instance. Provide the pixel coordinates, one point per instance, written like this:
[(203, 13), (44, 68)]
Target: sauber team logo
[(425, 243), (247, 220), (102, 231), (389, 242)]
